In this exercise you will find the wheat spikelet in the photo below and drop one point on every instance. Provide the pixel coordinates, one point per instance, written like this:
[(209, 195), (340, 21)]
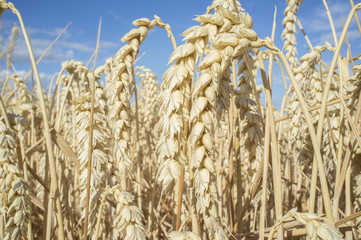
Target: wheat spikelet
[(353, 87), (128, 217), (183, 236), (39, 189), (15, 202), (317, 227)]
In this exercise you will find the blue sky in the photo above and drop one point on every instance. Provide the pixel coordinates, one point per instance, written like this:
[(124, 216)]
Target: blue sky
[(45, 19)]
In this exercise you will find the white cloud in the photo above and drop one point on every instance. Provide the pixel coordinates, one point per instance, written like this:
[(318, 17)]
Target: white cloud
[(110, 44), (318, 19), (64, 49), (318, 27), (51, 33), (6, 26), (114, 14), (56, 54), (44, 77), (81, 47), (4, 73), (328, 36)]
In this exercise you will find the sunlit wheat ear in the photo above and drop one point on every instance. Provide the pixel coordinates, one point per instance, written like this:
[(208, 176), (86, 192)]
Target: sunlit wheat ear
[(79, 87), (250, 120), (183, 236), (14, 199), (233, 6), (353, 87), (24, 107), (317, 227), (174, 100), (119, 103), (173, 111), (24, 104), (357, 194), (100, 159), (68, 112), (79, 73), (305, 75), (311, 76), (149, 93), (148, 116), (14, 33), (290, 30), (309, 80), (231, 38), (128, 218)]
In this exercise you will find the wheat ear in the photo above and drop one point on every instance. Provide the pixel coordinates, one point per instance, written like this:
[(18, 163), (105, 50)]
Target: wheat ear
[(15, 202), (290, 30)]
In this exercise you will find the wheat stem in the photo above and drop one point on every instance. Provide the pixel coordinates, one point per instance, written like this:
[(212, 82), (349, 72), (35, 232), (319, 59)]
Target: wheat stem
[(46, 129), (46, 51), (276, 169)]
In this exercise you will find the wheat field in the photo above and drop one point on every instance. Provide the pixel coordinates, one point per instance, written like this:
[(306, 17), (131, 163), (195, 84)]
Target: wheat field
[(111, 152)]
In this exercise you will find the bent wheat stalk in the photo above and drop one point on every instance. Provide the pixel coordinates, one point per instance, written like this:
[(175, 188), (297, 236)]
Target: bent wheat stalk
[(54, 193)]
